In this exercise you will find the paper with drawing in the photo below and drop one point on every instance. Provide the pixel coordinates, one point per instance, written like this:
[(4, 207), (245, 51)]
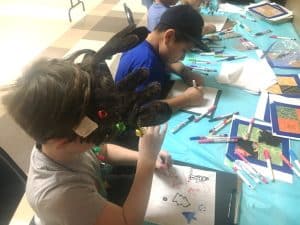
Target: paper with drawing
[(209, 98), (182, 196)]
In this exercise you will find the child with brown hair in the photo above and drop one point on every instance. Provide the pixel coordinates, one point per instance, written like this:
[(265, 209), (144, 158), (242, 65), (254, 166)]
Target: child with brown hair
[(73, 112)]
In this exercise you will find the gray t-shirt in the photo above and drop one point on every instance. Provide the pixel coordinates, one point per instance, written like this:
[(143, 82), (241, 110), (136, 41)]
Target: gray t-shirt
[(65, 194)]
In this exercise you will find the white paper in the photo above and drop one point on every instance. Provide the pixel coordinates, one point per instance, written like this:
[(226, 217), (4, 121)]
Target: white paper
[(218, 21), (182, 196), (261, 106), (253, 75), (209, 97)]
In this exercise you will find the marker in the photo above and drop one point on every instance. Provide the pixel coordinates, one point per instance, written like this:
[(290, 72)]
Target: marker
[(230, 58), (223, 116), (294, 158), (212, 108), (193, 67), (253, 170), (287, 162), (283, 38), (218, 140), (200, 61), (244, 27), (220, 126), (243, 178), (263, 32), (206, 137), (245, 168), (246, 137), (269, 165), (183, 124)]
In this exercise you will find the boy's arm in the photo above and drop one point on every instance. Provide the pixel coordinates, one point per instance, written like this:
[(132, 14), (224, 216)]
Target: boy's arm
[(186, 74), (192, 96), (134, 209), (119, 155)]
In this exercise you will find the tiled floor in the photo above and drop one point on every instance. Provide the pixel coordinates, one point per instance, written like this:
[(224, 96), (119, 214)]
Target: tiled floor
[(38, 34)]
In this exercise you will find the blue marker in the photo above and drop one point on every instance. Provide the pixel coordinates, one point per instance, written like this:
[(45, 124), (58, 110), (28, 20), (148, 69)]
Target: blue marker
[(294, 158)]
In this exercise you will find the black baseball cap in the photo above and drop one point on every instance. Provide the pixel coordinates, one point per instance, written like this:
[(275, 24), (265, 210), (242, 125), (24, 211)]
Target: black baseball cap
[(188, 21)]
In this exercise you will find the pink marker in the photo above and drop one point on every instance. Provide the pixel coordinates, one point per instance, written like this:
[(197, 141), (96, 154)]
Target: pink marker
[(269, 165), (287, 162), (253, 170), (212, 108)]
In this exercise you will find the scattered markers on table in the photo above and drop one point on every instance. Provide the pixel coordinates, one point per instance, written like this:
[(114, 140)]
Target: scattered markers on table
[(252, 169), (287, 162), (220, 126), (243, 178), (283, 38), (223, 117), (183, 124), (197, 119)]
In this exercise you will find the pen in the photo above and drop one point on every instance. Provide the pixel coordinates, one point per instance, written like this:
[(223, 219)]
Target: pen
[(205, 137), (263, 32), (183, 124), (252, 169), (246, 137), (218, 140), (230, 58), (283, 38), (287, 162), (294, 158), (212, 108), (223, 116), (220, 125), (269, 165), (243, 178)]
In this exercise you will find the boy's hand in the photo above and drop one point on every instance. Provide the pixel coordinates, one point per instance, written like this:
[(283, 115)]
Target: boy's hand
[(188, 76), (150, 143), (194, 96), (208, 29), (163, 161)]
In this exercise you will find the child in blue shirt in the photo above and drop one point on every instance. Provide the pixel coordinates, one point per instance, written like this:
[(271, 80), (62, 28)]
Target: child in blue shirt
[(156, 10), (177, 32)]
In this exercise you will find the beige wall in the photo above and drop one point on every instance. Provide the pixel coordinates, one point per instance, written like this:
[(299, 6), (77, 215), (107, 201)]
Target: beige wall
[(294, 5)]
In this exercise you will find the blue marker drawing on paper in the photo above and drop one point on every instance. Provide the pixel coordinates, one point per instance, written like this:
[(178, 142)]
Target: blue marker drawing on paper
[(189, 216)]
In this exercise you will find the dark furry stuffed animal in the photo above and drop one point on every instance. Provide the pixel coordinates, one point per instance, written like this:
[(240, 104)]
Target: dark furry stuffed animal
[(112, 106)]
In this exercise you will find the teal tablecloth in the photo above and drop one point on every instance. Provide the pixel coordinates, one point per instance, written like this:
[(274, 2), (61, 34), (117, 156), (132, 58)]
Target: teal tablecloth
[(276, 203)]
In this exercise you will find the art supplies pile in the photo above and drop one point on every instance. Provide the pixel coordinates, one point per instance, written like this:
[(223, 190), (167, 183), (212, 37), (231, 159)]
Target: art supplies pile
[(252, 75), (255, 153), (210, 98), (270, 12), (193, 195)]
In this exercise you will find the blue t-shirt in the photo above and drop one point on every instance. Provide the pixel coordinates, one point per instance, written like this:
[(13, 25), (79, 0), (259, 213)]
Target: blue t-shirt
[(154, 13), (143, 56)]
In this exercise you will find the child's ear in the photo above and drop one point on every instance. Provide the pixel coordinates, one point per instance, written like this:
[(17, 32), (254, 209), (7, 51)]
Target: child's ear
[(169, 36), (61, 142)]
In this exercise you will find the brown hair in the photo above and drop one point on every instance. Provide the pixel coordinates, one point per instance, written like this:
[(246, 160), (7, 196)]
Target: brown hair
[(49, 99)]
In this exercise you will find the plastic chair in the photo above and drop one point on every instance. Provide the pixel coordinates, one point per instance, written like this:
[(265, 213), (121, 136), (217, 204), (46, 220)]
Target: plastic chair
[(129, 14), (12, 186)]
